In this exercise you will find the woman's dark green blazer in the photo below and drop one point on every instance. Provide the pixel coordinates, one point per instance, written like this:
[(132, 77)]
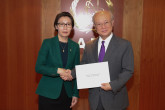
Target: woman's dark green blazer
[(48, 61)]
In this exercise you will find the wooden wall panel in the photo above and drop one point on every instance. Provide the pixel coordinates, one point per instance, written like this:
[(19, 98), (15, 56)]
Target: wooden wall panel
[(152, 85), (132, 30), (118, 17), (3, 56), (20, 33), (50, 8)]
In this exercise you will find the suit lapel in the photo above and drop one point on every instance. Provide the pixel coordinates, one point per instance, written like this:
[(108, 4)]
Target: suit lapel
[(95, 49), (70, 49), (56, 50), (111, 48)]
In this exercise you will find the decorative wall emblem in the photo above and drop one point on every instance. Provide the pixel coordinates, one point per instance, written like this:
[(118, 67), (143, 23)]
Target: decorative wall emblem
[(83, 20)]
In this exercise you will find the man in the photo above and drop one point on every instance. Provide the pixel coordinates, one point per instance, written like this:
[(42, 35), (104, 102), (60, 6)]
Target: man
[(119, 54)]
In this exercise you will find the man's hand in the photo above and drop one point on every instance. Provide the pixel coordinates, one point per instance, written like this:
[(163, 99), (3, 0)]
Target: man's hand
[(106, 86), (74, 101), (65, 74)]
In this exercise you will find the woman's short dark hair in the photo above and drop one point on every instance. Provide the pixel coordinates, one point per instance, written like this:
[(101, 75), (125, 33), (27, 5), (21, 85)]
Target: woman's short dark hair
[(63, 14)]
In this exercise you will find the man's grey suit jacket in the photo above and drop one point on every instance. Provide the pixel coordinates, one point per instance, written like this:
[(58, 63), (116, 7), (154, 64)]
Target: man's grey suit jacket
[(119, 55)]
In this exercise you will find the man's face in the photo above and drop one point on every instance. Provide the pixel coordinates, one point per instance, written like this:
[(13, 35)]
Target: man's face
[(103, 24)]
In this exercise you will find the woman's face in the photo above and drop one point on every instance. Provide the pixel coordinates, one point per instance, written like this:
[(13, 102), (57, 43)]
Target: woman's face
[(64, 26)]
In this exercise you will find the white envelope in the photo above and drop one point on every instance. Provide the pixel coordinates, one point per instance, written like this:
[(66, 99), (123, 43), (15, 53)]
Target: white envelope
[(92, 75)]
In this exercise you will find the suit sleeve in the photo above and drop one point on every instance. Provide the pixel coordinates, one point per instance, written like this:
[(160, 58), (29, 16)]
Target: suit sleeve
[(84, 57), (41, 66), (77, 62), (83, 61), (127, 69)]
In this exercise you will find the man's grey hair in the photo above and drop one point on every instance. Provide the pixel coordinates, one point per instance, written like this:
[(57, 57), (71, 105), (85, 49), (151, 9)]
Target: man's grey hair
[(111, 13)]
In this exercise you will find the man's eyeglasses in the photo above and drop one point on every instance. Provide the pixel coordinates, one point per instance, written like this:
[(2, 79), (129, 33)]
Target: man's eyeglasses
[(68, 25), (102, 24)]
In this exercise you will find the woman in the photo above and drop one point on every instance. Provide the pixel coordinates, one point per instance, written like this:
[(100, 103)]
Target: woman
[(55, 56)]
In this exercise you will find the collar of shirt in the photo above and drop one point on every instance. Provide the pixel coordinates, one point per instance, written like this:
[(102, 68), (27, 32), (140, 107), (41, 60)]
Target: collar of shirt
[(106, 43)]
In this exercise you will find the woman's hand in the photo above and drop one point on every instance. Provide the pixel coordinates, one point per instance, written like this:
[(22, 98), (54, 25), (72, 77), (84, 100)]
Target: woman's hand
[(74, 101), (65, 74)]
